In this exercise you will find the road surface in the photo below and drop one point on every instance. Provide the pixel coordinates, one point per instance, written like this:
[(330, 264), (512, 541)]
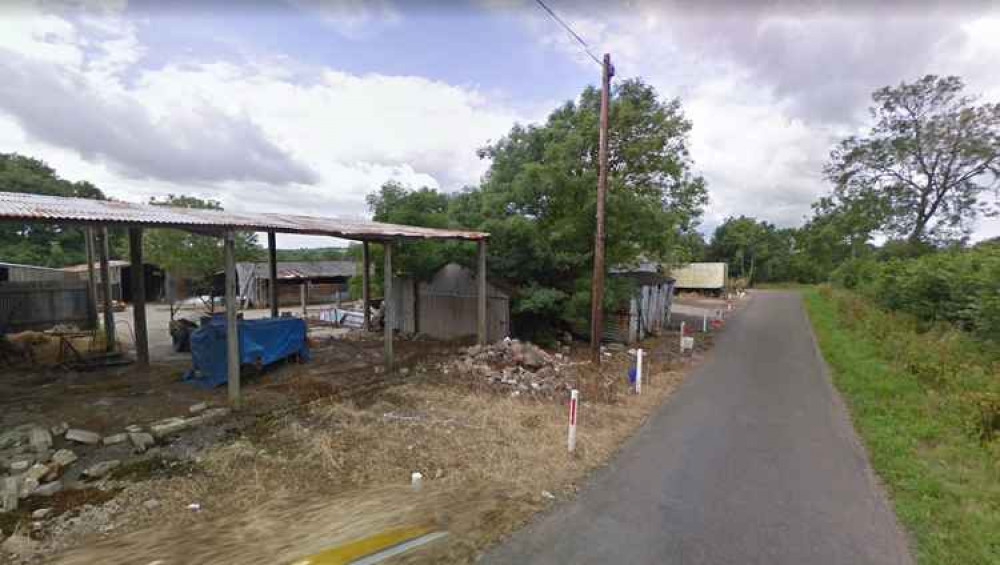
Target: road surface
[(752, 461)]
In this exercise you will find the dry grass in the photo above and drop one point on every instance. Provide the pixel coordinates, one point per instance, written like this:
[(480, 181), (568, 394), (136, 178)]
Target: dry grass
[(333, 471)]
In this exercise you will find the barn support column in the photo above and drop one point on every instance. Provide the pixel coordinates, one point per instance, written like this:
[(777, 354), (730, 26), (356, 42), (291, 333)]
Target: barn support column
[(481, 296), (272, 270), (366, 297), (138, 273), (88, 234), (388, 311), (110, 337), (232, 329)]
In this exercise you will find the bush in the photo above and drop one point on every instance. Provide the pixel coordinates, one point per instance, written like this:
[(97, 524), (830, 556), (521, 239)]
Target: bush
[(957, 286)]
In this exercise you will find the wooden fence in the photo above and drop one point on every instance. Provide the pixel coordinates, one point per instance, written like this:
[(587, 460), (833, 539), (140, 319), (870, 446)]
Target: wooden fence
[(40, 305)]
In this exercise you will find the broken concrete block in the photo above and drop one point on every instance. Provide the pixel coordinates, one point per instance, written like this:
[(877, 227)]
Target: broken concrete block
[(63, 458), (37, 471), (20, 466), (9, 493), (28, 487), (115, 439), (101, 469), (48, 489), (168, 426), (41, 513), (198, 408), (40, 439), (83, 436), (133, 429), (59, 429), (142, 441)]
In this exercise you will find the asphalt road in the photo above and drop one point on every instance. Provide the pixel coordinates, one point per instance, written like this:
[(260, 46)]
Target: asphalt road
[(753, 461)]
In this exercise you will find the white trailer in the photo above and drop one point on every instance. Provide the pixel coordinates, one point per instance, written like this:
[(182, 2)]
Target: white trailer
[(701, 276)]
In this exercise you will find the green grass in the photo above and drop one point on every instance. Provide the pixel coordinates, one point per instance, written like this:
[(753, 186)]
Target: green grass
[(944, 483)]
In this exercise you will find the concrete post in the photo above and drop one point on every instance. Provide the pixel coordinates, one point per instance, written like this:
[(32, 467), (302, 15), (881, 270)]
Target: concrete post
[(88, 234)]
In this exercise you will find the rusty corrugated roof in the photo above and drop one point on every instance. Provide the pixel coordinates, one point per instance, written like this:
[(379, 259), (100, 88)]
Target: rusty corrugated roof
[(38, 208)]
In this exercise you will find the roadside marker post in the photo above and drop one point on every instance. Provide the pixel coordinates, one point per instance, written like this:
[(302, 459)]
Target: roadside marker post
[(681, 341), (574, 398), (704, 323), (638, 371)]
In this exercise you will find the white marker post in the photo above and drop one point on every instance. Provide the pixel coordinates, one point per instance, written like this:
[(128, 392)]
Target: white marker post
[(681, 340), (704, 323), (638, 371), (574, 397)]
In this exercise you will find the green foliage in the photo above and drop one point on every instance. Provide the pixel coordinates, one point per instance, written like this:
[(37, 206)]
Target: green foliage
[(51, 245), (920, 171), (920, 399), (756, 251), (958, 286), (188, 255), (538, 201)]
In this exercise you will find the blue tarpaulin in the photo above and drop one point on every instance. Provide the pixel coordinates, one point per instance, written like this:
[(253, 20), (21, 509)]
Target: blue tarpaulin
[(262, 342)]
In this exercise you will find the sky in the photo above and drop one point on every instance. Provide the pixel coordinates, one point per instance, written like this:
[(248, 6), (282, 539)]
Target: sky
[(306, 106)]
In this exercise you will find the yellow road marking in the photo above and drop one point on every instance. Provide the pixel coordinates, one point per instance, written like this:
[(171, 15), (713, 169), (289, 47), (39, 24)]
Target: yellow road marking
[(352, 551)]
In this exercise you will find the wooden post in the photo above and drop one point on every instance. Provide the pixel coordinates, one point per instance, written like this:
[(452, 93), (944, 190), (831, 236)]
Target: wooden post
[(272, 264), (366, 297), (388, 313), (481, 297), (88, 234), (110, 337), (138, 296), (232, 328), (597, 285)]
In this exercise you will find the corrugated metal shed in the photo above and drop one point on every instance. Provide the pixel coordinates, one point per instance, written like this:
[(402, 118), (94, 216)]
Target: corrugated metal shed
[(299, 269), (15, 272), (37, 208)]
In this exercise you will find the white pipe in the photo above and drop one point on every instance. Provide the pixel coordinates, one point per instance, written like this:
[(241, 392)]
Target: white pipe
[(638, 371), (574, 397)]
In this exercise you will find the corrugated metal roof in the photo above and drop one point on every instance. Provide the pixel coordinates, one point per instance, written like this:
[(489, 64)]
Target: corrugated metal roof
[(112, 263), (34, 207), (303, 269)]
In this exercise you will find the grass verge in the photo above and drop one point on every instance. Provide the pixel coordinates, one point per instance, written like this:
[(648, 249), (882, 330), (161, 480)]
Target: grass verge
[(913, 399)]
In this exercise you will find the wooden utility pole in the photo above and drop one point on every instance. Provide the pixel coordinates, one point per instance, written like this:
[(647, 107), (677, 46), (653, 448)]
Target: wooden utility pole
[(110, 337), (88, 233), (272, 273), (597, 285)]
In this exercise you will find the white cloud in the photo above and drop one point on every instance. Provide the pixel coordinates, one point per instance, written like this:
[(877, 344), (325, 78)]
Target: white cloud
[(263, 134), (353, 18)]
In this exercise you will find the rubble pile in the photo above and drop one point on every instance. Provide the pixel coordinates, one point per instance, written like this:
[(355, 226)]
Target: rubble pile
[(518, 366), (39, 461)]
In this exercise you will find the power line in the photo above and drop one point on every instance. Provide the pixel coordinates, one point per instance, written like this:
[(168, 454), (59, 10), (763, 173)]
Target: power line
[(575, 35)]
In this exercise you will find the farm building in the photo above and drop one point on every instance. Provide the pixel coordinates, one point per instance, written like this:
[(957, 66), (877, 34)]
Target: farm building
[(13, 272), (323, 282), (646, 311), (120, 275), (38, 298), (445, 307)]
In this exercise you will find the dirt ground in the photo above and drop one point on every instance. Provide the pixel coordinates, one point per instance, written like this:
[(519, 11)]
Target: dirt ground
[(323, 454)]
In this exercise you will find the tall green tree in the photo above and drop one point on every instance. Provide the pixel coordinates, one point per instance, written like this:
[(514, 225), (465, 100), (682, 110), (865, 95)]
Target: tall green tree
[(538, 198), (33, 243), (755, 250), (926, 164)]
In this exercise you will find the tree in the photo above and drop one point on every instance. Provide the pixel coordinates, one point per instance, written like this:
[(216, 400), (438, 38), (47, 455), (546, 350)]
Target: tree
[(925, 164), (755, 250), (52, 245), (538, 199), (191, 256)]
